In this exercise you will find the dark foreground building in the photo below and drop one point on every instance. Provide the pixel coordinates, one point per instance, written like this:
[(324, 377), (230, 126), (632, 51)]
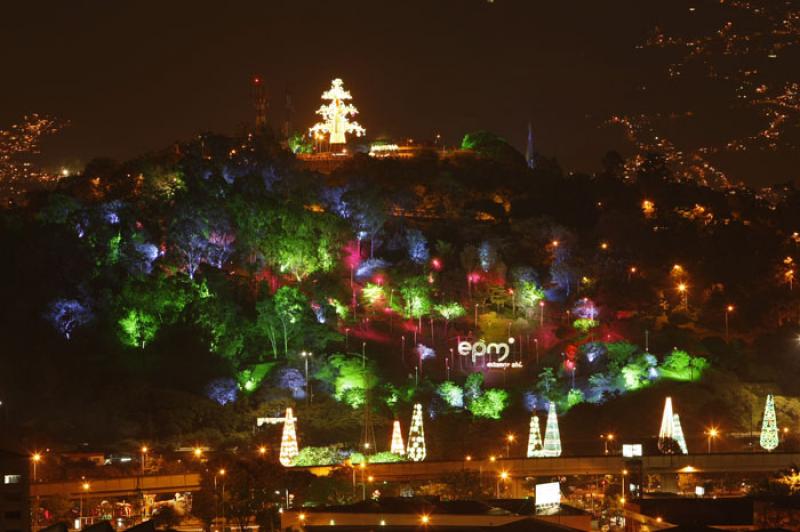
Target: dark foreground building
[(15, 511), (400, 514)]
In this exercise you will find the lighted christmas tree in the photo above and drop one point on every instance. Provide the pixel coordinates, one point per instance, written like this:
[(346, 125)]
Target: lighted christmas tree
[(416, 436), (535, 446), (677, 434), (289, 449), (397, 446), (666, 434), (552, 436), (335, 115), (769, 426)]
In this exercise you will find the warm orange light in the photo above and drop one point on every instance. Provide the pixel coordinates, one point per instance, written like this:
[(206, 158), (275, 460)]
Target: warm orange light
[(729, 308), (85, 486), (222, 472), (604, 246), (555, 243), (492, 458), (425, 519), (36, 457), (713, 432), (682, 287), (198, 452), (370, 478), (468, 458), (262, 450), (362, 465), (510, 438), (633, 269), (302, 517), (504, 475), (144, 449)]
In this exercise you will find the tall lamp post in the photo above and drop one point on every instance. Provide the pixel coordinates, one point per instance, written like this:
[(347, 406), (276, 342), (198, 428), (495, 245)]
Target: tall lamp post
[(728, 310), (35, 459), (509, 440), (307, 355), (712, 433), (606, 438), (84, 490), (144, 450), (502, 477)]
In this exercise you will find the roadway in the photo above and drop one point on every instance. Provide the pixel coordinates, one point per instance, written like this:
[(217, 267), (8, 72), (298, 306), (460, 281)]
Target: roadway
[(516, 468)]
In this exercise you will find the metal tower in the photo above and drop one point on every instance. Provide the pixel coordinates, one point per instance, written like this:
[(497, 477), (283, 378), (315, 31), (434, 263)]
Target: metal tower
[(259, 102)]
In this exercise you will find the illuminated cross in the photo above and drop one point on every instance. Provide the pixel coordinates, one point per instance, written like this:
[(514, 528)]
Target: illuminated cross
[(335, 121)]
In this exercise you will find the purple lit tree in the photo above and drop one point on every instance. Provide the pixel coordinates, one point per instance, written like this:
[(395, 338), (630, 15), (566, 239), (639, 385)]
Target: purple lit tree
[(68, 314)]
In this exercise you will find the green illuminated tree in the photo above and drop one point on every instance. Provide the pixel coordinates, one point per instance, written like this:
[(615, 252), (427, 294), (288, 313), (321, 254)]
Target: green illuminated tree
[(546, 383), (449, 311), (415, 297), (490, 404), (528, 296), (290, 305)]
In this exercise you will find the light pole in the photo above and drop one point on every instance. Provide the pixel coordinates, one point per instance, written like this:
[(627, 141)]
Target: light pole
[(683, 290), (728, 310), (541, 314), (144, 450), (712, 433), (606, 438), (502, 477), (306, 355), (222, 500), (35, 459), (509, 440), (84, 490), (624, 473)]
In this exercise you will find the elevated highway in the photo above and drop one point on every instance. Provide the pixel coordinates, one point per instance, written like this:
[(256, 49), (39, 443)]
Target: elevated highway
[(517, 468)]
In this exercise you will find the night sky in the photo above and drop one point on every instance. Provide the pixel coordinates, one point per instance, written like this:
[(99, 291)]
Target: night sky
[(135, 76)]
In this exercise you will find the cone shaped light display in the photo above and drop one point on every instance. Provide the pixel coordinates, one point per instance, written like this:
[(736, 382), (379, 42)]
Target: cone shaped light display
[(552, 436), (535, 446), (666, 434), (289, 449), (677, 433), (416, 436), (397, 446), (769, 426)]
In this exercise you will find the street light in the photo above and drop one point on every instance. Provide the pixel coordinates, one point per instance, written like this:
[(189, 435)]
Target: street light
[(606, 438), (306, 355), (509, 440), (85, 489), (144, 451), (683, 290), (712, 433), (262, 450), (35, 459), (728, 310), (197, 452), (502, 477)]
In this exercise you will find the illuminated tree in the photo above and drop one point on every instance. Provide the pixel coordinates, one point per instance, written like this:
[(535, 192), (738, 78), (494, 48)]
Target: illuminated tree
[(68, 314), (528, 296), (769, 426), (546, 382), (417, 246), (335, 115), (415, 297), (373, 294), (416, 436), (535, 445), (397, 446), (137, 327), (199, 235), (289, 447), (290, 305), (349, 377), (449, 311), (552, 436), (489, 404), (451, 393)]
